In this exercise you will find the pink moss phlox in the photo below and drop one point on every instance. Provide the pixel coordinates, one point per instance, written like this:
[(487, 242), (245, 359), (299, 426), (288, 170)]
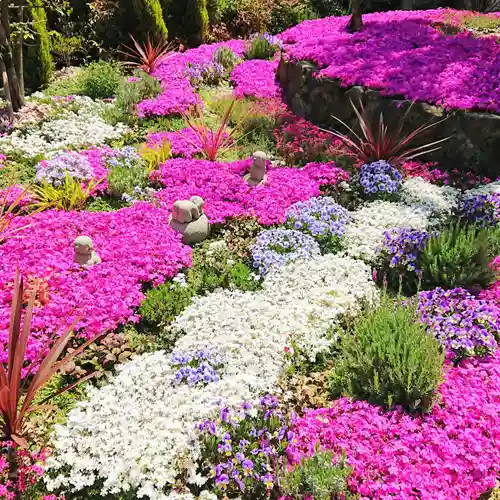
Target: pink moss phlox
[(451, 453), (401, 53), (227, 194), (178, 94), (136, 246), (256, 78)]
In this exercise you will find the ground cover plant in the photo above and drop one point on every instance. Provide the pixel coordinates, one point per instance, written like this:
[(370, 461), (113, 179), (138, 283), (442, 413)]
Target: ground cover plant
[(267, 310)]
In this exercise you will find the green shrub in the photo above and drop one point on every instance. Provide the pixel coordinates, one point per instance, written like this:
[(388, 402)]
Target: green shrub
[(318, 477), (389, 360), (101, 79), (285, 14), (196, 19), (260, 48), (65, 86), (226, 58), (329, 7), (151, 18), (216, 10), (164, 303), (458, 256), (123, 180), (104, 205), (240, 233), (482, 24), (39, 63)]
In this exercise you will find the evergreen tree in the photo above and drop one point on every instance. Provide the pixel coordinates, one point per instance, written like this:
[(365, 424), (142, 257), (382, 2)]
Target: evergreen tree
[(150, 16)]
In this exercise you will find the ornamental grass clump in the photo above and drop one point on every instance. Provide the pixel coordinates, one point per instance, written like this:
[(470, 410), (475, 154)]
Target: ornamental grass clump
[(321, 218), (379, 180), (242, 449), (278, 247), (389, 360), (464, 324), (458, 256), (321, 476)]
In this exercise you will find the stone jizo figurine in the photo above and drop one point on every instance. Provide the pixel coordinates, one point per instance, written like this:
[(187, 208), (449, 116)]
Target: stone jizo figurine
[(188, 219), (85, 254), (257, 174)]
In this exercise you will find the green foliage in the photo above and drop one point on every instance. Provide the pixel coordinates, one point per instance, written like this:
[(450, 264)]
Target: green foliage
[(216, 10), (65, 86), (150, 17), (318, 477), (482, 24), (260, 48), (389, 360), (329, 7), (101, 79), (65, 47), (123, 180), (458, 256), (164, 303), (155, 154), (285, 14), (39, 63), (240, 233), (226, 58), (196, 21), (128, 94), (104, 205)]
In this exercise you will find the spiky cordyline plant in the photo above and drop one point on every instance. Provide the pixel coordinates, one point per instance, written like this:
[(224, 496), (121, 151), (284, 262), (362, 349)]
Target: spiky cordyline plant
[(377, 142), (212, 143), (17, 393), (147, 55)]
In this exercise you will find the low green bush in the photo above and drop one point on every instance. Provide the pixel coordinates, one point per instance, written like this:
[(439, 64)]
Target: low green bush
[(389, 360), (226, 58), (123, 180), (459, 256), (317, 477), (260, 48), (100, 79)]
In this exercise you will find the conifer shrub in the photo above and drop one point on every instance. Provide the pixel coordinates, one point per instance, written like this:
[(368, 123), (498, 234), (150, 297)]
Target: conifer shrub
[(389, 360), (39, 63), (457, 257), (101, 79)]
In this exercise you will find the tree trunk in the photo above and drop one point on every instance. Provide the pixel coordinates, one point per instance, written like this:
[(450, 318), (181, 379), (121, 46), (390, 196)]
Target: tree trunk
[(16, 98), (19, 62), (356, 21), (6, 89)]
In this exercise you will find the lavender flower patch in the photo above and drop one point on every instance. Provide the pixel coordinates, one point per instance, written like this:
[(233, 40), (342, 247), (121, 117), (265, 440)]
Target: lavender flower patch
[(125, 157), (277, 247), (200, 368), (380, 180), (208, 73), (54, 170), (462, 323), (321, 218)]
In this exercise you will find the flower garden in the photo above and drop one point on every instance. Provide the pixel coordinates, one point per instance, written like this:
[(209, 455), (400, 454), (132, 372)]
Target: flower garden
[(249, 306)]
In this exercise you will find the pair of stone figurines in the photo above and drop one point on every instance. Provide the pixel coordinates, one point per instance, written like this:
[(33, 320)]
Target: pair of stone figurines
[(187, 216)]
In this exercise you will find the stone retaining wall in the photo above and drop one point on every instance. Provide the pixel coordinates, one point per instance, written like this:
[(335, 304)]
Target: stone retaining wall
[(474, 136)]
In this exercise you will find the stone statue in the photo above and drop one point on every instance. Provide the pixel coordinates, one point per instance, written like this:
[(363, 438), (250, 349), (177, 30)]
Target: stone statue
[(85, 254), (257, 174), (188, 219)]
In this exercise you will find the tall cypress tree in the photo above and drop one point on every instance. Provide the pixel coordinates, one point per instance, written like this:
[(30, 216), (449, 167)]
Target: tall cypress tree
[(150, 16), (196, 21), (40, 55)]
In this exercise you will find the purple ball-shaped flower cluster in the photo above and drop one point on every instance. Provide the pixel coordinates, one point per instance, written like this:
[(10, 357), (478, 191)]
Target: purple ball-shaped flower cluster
[(198, 368), (461, 322), (210, 73), (482, 209), (321, 218), (277, 247), (403, 247), (126, 157), (54, 171), (379, 177)]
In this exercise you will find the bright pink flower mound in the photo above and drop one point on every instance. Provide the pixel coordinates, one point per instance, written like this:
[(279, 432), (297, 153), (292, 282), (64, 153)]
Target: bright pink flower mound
[(226, 192), (401, 53), (451, 453), (178, 94), (493, 292), (256, 78), (136, 246)]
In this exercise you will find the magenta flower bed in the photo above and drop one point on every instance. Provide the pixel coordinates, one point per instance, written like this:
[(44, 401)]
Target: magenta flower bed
[(256, 78), (452, 453), (178, 94), (136, 246), (400, 53), (227, 194)]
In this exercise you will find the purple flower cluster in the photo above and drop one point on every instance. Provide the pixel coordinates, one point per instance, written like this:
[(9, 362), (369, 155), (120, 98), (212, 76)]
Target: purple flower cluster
[(208, 73), (321, 218), (195, 369), (54, 171), (462, 323), (244, 447), (379, 177), (125, 157), (403, 246), (482, 209), (277, 247)]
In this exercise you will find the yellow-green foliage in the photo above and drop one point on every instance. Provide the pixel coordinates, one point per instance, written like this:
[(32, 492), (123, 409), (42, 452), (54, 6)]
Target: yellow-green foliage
[(41, 57), (70, 196), (197, 20), (495, 494), (155, 155), (151, 18), (481, 23)]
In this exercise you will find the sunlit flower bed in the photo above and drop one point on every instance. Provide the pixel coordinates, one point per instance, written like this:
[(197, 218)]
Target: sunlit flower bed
[(390, 52), (135, 244)]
